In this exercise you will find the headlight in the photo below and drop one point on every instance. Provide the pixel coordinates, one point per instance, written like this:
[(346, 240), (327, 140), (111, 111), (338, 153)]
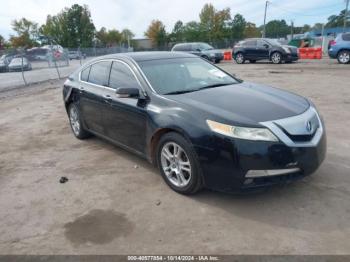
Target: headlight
[(286, 49), (256, 134)]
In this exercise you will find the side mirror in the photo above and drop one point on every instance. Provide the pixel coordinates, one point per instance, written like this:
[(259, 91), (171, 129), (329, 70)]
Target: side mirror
[(266, 46), (124, 92), (198, 50)]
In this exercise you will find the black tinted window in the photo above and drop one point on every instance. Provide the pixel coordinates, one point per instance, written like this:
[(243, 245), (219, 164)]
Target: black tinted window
[(346, 37), (250, 43), (262, 43), (99, 73), (85, 74), (121, 76)]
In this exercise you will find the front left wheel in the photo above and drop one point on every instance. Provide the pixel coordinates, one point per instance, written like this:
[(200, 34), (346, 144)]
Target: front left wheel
[(76, 123), (178, 164), (276, 57)]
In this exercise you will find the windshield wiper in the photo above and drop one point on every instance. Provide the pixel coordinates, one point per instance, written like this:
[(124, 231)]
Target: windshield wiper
[(215, 85), (181, 92), (194, 90)]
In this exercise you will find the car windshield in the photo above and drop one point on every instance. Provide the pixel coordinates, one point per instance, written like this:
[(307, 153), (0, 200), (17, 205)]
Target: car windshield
[(18, 60), (183, 75), (204, 46)]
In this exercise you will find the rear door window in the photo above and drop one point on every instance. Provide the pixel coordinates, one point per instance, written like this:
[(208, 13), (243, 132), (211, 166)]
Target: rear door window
[(99, 73), (346, 37), (121, 76), (250, 43)]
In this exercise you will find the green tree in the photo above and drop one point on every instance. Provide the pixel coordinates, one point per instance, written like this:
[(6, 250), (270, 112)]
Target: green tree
[(26, 33), (2, 42), (238, 26), (192, 32), (251, 31), (317, 26), (126, 35), (156, 32), (72, 27), (337, 20), (206, 20), (277, 28), (177, 34)]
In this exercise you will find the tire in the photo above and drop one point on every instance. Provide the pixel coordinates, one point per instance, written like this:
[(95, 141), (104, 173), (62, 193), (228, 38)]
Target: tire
[(217, 61), (276, 58), (343, 57), (252, 61), (206, 58), (184, 179), (76, 123), (239, 58)]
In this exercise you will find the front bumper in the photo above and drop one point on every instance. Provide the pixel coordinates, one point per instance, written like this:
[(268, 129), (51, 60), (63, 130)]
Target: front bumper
[(291, 57), (225, 166), (230, 164)]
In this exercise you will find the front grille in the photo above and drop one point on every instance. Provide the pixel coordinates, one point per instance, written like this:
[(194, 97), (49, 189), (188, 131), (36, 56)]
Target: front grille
[(300, 138)]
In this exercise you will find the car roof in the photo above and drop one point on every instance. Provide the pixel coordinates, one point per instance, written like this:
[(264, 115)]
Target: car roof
[(145, 56)]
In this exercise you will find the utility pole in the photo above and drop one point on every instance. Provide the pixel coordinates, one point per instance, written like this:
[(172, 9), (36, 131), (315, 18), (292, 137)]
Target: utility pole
[(264, 30), (291, 30), (346, 15)]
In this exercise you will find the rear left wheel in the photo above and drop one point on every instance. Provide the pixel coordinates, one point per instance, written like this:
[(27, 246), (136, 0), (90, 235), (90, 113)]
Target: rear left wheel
[(178, 164), (344, 57), (76, 123)]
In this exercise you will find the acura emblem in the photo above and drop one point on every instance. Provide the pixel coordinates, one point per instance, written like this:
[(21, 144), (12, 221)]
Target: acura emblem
[(308, 126)]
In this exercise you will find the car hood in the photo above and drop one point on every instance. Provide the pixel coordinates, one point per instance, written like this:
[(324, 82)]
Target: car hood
[(212, 51), (244, 103)]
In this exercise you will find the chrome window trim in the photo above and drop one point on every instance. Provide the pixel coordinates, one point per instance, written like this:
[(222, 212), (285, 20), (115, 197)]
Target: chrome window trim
[(303, 116), (110, 60)]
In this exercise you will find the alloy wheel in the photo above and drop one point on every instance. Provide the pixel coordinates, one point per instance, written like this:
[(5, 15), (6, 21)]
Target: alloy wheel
[(74, 120), (239, 58), (276, 58), (344, 57), (175, 164)]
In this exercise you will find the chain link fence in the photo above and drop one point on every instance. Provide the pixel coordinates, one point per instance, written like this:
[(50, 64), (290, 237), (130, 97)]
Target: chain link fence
[(19, 67)]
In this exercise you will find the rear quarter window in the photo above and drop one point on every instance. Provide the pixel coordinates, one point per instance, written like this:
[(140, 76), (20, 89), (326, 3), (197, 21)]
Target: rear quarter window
[(99, 73), (84, 75), (346, 37)]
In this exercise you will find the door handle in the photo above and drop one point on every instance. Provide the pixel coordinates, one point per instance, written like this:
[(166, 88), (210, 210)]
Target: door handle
[(107, 98), (81, 88)]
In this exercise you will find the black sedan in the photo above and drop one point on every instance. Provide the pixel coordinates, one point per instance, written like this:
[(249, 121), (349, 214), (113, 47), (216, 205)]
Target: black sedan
[(255, 49), (197, 123)]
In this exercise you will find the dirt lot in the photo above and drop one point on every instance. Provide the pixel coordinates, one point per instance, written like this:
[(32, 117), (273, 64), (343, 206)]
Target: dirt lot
[(116, 203)]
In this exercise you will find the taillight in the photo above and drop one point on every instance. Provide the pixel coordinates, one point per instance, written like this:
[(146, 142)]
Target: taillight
[(332, 42)]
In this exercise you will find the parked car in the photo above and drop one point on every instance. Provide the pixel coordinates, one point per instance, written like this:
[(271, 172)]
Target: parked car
[(255, 49), (38, 54), (76, 55), (200, 125), (5, 60), (18, 63), (200, 49), (340, 48)]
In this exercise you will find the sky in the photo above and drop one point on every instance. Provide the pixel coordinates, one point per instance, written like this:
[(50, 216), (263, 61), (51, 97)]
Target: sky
[(137, 14)]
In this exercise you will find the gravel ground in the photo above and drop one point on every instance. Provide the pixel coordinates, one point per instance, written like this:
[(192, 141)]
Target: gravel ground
[(116, 203)]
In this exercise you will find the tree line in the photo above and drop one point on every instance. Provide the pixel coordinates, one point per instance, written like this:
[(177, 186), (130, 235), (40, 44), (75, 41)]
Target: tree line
[(73, 28)]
